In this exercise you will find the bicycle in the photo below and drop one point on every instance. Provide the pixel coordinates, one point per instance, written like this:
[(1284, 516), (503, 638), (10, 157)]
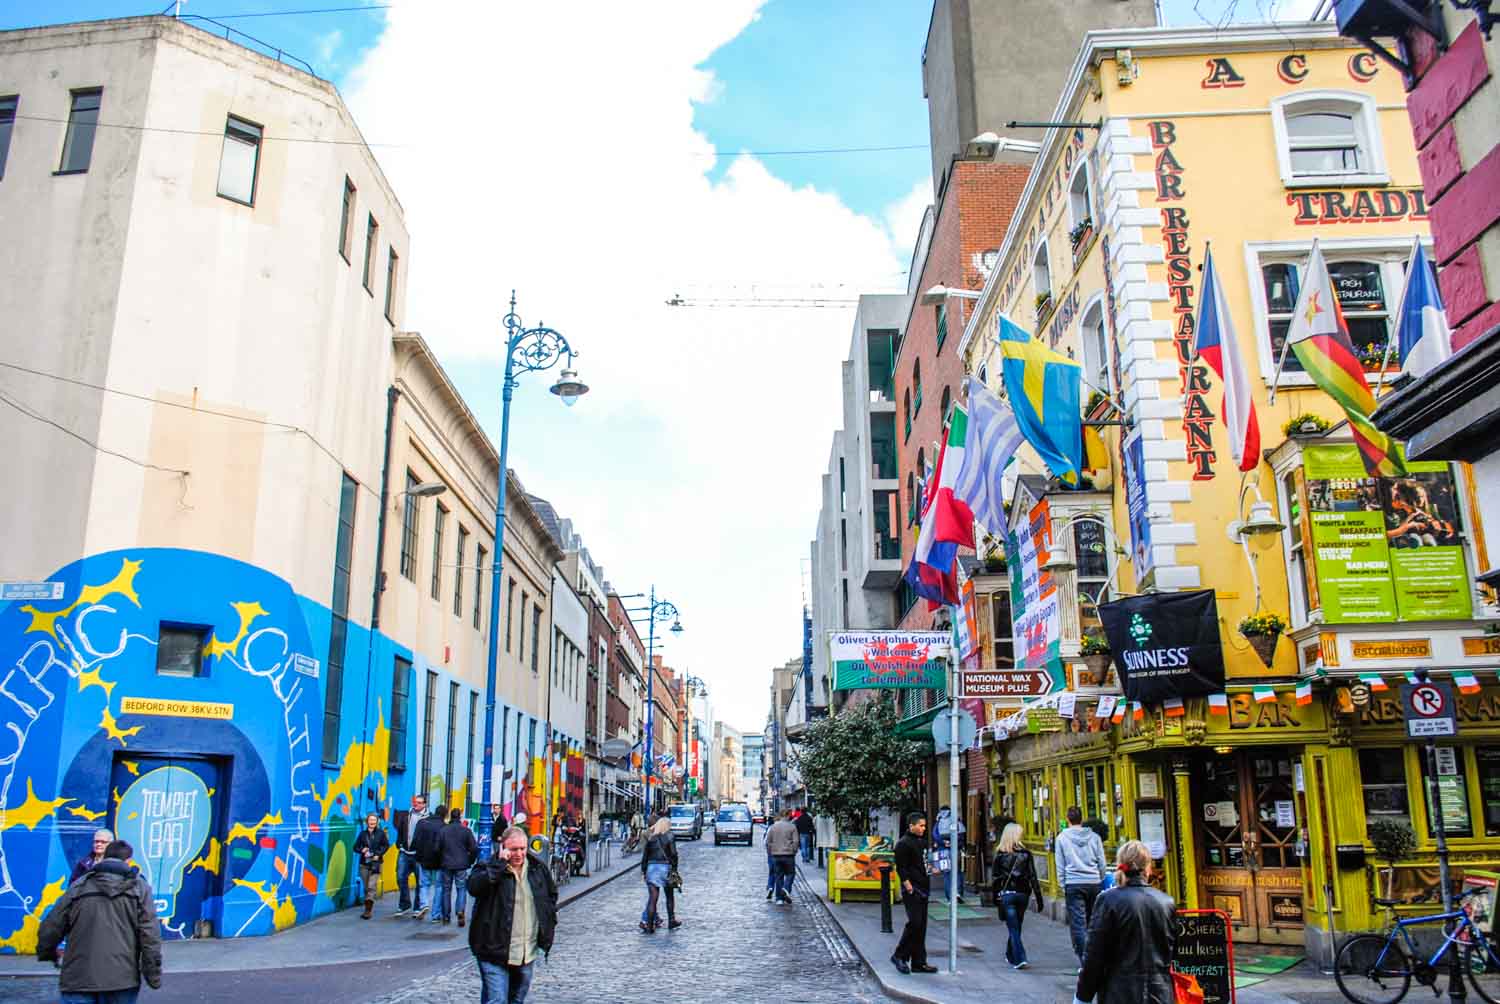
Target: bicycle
[(1379, 968), (632, 843)]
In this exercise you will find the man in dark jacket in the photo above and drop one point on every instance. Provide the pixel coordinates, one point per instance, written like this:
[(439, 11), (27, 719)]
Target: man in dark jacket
[(109, 920), (427, 845), (805, 831), (369, 849), (515, 917), (405, 822), (1129, 955), (911, 870), (459, 852)]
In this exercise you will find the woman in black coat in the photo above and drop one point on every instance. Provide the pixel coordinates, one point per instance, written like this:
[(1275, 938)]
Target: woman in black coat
[(1013, 881), (1129, 954)]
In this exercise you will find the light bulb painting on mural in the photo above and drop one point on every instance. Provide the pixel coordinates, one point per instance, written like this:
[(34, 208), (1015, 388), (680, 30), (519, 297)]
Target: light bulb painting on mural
[(213, 776), (888, 659)]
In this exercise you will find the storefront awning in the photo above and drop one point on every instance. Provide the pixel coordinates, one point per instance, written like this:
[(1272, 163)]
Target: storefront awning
[(919, 727)]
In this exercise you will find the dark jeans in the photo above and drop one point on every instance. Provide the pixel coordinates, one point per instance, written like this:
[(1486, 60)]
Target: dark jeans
[(1080, 900), (407, 868), (783, 868), (912, 947), (503, 984), (107, 997), (1013, 909), (806, 839), (455, 890), (653, 895)]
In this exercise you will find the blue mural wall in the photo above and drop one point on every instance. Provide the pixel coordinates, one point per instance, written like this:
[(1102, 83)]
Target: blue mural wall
[(217, 780)]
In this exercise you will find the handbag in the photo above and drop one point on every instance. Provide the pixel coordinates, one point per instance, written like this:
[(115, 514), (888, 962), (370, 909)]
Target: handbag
[(674, 880), (1185, 988)]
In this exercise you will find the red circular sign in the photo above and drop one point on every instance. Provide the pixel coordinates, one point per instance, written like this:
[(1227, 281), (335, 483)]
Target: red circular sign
[(1428, 701)]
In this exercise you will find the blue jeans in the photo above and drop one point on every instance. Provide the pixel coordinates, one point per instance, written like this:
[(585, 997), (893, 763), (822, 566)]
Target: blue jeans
[(437, 892), (1080, 900), (806, 840), (407, 867), (1013, 909), (455, 890), (107, 997), (503, 984), (770, 874), (784, 868)]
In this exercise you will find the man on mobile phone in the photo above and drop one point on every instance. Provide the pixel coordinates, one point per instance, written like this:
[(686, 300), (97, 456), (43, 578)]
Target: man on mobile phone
[(911, 870)]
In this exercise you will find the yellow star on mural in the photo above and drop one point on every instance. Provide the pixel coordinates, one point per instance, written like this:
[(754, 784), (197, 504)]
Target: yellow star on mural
[(92, 678), (83, 813), (123, 583), (31, 811), (1313, 310), (248, 613), (112, 729)]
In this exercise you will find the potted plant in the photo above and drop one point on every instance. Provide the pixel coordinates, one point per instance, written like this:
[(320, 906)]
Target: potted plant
[(1306, 424), (994, 562), (1371, 356), (1096, 656), (1043, 304), (1393, 840), (1081, 233), (1262, 632)]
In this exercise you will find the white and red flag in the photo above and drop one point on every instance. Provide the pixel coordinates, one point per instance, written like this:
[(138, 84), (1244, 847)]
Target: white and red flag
[(1214, 341)]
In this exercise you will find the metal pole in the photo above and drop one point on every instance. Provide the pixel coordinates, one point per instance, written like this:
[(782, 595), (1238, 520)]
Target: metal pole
[(953, 849), (1456, 990), (650, 695), (486, 815)]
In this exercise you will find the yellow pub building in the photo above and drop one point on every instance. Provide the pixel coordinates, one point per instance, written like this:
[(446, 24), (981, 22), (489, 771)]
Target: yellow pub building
[(1258, 139)]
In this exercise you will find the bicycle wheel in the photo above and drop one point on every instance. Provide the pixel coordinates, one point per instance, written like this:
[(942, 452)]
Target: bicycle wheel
[(1483, 966), (1372, 969)]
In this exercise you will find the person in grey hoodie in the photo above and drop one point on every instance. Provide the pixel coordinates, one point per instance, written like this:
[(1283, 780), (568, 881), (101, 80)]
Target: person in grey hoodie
[(1079, 857)]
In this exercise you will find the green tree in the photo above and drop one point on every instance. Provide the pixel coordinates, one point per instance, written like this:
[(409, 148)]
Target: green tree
[(853, 762)]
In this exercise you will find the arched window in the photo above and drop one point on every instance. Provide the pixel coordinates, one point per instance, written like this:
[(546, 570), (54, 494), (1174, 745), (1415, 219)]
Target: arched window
[(911, 499), (916, 383), (1041, 275), (906, 412), (1078, 196), (922, 464), (1328, 137), (947, 405), (1095, 351)]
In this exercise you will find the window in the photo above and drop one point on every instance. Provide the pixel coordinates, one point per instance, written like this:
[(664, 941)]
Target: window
[(439, 523), (458, 571), (473, 731), (400, 712), (83, 121), (1453, 790), (179, 649), (942, 324), (1091, 552), (429, 724), (409, 529), (372, 241), (1327, 137), (390, 285), (479, 560), (1095, 351), (346, 219), (333, 669), (536, 638), (946, 406), (916, 384), (1299, 547), (1041, 276), (906, 413), (1487, 759), (452, 737), (239, 160), (510, 606), (7, 123), (521, 639), (1001, 631), (1080, 214)]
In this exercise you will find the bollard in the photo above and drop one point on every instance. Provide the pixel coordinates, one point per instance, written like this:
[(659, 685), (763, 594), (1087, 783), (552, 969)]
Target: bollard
[(820, 859), (885, 898)]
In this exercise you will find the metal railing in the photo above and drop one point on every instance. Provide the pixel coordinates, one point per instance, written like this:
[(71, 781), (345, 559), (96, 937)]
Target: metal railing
[(234, 35)]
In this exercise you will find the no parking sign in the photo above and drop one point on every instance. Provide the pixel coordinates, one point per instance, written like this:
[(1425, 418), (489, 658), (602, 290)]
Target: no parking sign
[(1430, 709)]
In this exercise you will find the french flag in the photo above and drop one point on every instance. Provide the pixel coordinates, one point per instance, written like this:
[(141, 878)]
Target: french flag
[(1215, 342), (1422, 336)]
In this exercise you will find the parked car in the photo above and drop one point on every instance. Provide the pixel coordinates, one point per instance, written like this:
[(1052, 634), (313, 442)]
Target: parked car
[(687, 820), (759, 817), (734, 823)]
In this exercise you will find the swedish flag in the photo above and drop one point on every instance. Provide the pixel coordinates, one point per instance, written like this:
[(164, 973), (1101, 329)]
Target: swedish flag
[(1044, 389)]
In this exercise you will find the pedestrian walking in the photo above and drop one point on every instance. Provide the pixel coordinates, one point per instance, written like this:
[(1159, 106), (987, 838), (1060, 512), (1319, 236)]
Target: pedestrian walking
[(404, 822), (515, 917), (782, 841), (911, 868), (1079, 857), (1130, 939), (457, 850), (948, 839), (102, 839), (108, 918), (427, 845), (658, 863), (1013, 881), (805, 831), (370, 847)]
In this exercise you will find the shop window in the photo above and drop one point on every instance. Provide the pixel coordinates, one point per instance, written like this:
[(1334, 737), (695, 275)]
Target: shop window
[(1487, 763), (1382, 776), (1327, 137), (179, 649), (1091, 552), (1452, 789)]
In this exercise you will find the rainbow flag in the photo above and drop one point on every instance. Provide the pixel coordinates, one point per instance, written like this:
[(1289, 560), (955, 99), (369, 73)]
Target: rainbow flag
[(1173, 707), (1304, 693), (1264, 695), (1320, 337), (1218, 704), (1374, 680), (1467, 683)]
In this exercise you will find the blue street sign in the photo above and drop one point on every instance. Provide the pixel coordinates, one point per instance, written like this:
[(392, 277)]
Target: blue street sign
[(30, 591)]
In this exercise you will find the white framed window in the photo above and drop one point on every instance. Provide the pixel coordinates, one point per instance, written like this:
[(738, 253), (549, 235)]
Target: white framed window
[(1368, 275), (239, 161), (1328, 137), (1079, 209), (1095, 348), (1041, 272)]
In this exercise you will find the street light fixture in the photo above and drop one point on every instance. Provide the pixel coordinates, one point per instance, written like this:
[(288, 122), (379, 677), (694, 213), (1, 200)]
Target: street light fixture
[(663, 611), (937, 294), (425, 490), (1260, 526), (527, 350)]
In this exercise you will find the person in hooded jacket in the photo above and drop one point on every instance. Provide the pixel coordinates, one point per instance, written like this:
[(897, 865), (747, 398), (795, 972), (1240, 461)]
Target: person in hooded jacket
[(1131, 937), (108, 917), (427, 845), (460, 850), (1079, 857), (515, 917), (1014, 881)]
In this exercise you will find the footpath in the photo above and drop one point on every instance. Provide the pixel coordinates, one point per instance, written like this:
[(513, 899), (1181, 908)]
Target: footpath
[(984, 977), (335, 938)]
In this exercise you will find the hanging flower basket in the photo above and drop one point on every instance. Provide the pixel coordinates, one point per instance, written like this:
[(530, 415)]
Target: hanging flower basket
[(1265, 647), (1098, 669), (1263, 631)]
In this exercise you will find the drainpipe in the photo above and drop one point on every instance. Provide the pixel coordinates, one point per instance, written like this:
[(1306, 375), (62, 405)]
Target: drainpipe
[(392, 395)]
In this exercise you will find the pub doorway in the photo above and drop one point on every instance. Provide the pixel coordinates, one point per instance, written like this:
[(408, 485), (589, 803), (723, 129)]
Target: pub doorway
[(1249, 854)]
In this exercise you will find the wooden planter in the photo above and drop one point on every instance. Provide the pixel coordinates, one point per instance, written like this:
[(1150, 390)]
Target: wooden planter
[(1264, 646), (1098, 669)]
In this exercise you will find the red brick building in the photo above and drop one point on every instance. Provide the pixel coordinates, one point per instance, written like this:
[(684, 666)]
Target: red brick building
[(965, 233)]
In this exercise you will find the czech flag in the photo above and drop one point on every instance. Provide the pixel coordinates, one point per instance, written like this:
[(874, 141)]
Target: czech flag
[(1214, 341), (1218, 704), (1467, 683), (1304, 693), (1422, 335)]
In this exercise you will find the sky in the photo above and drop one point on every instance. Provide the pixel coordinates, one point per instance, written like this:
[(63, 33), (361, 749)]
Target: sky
[(600, 159)]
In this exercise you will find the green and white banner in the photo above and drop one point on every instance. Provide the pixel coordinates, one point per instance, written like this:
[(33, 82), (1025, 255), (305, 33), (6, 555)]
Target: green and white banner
[(889, 659)]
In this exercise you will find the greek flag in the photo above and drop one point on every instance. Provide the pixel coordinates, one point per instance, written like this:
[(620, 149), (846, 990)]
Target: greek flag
[(992, 438)]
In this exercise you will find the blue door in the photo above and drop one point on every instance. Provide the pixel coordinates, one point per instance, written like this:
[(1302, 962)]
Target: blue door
[(169, 808)]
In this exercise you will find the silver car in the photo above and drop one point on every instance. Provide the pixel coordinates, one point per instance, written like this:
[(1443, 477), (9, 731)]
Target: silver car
[(687, 820), (733, 823)]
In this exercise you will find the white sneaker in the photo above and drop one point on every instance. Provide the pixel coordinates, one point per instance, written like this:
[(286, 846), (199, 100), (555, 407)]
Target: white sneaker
[(1022, 965), (400, 913), (419, 912)]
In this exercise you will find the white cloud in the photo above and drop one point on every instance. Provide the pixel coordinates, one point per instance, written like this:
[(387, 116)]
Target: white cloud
[(555, 153), (903, 218)]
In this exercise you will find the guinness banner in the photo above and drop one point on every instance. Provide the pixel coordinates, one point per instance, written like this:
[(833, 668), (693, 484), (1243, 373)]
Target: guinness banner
[(1165, 645)]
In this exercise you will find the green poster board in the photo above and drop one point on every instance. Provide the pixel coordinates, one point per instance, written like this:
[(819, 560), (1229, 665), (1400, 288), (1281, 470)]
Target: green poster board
[(1384, 549)]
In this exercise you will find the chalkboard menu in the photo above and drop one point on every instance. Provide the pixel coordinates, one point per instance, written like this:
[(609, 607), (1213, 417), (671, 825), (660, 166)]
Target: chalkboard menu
[(1205, 950)]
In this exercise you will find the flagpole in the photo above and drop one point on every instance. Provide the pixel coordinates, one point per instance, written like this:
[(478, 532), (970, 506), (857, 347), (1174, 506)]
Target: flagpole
[(1411, 261), (1276, 377)]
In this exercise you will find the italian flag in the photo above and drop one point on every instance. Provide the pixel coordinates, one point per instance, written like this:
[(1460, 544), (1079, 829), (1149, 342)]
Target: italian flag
[(1218, 704), (1320, 337), (1467, 683)]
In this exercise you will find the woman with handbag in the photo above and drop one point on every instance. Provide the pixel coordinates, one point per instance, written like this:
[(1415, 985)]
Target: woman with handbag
[(1129, 954), (1013, 881), (658, 866)]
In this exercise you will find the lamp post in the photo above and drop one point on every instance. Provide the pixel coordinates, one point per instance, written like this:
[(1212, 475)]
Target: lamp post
[(527, 350), (656, 610)]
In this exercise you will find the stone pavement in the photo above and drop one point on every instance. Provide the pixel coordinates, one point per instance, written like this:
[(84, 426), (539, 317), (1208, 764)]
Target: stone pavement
[(984, 977), (336, 938)]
